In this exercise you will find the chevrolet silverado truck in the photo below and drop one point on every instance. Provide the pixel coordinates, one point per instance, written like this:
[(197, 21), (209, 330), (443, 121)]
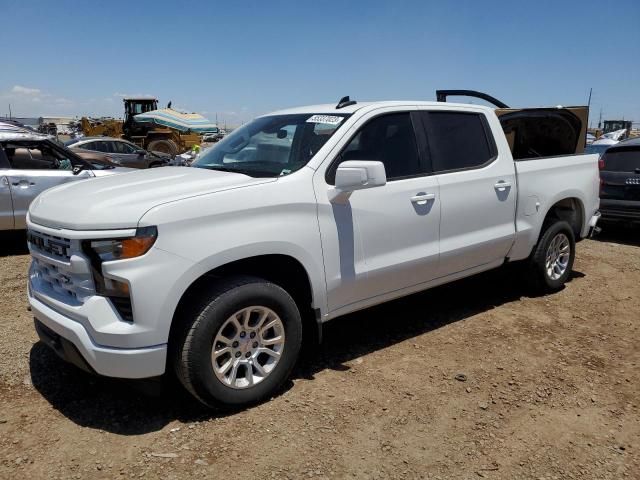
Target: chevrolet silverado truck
[(213, 272)]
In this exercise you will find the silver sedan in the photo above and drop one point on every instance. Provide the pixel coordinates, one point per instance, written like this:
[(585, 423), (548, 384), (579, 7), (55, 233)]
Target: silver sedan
[(31, 163)]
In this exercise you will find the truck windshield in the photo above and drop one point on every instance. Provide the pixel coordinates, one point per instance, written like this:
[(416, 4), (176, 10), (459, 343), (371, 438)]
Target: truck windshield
[(271, 146)]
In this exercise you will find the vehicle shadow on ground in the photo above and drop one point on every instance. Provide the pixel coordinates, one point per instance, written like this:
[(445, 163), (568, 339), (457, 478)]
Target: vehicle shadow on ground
[(619, 233), (115, 406), (13, 243)]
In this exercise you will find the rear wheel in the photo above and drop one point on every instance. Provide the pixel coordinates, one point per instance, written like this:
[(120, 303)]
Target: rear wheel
[(552, 259), (164, 146), (238, 343)]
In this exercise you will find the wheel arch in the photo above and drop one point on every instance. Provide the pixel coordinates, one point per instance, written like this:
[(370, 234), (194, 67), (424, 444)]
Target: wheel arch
[(570, 209), (284, 270)]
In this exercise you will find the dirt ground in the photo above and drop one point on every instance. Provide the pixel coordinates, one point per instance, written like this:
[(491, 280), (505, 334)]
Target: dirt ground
[(551, 390)]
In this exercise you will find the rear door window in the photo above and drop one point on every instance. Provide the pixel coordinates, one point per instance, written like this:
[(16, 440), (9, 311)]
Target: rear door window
[(458, 140)]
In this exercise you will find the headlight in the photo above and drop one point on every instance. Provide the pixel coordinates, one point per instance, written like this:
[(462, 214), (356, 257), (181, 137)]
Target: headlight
[(123, 248), (100, 251)]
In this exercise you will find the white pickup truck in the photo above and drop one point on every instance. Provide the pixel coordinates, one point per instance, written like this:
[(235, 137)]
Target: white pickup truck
[(296, 218)]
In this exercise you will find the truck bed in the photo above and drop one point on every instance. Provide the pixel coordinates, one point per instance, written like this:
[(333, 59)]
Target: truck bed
[(542, 182)]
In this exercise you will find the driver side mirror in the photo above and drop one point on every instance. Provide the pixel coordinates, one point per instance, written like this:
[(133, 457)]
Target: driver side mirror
[(360, 174), (357, 175), (141, 153)]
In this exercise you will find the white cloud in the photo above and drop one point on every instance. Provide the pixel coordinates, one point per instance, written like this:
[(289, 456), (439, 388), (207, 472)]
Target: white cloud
[(20, 90)]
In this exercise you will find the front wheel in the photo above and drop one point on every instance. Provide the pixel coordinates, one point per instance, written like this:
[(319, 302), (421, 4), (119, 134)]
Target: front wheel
[(552, 259), (239, 343)]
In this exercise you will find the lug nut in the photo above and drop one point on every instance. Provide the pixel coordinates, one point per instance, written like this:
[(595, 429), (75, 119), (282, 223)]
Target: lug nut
[(248, 354), (255, 344), (243, 334), (235, 344), (238, 354), (252, 334)]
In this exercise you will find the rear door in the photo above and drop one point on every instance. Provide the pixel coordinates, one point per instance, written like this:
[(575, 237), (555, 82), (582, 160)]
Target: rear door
[(35, 168), (477, 189)]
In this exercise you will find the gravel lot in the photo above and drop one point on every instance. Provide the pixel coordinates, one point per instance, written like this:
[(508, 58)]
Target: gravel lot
[(551, 390)]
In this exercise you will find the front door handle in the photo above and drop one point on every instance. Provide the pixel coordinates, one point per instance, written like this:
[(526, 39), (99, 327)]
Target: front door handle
[(23, 184), (502, 186), (423, 198)]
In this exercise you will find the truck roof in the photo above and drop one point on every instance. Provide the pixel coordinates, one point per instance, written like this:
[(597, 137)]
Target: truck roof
[(330, 108)]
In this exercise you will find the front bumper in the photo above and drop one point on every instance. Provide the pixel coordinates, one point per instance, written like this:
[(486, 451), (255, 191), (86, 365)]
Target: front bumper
[(62, 296), (70, 340)]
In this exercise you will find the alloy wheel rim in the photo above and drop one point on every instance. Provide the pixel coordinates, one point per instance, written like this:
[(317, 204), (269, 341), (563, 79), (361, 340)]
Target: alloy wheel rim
[(557, 258), (248, 347)]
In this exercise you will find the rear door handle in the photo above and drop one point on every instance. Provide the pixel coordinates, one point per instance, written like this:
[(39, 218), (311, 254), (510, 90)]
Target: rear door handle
[(423, 198), (502, 186)]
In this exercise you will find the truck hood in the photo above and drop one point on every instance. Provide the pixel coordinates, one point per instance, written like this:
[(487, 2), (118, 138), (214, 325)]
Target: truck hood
[(119, 201)]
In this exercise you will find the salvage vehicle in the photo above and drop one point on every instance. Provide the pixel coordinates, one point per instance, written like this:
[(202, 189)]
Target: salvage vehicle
[(121, 152), (214, 272), (600, 146), (620, 182), (159, 130), (30, 163)]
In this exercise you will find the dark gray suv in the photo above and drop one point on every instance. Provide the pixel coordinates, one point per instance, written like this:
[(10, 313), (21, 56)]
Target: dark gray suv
[(620, 182), (122, 152)]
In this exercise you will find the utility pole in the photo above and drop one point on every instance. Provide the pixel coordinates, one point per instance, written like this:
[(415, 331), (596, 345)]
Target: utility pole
[(589, 102), (600, 119), (10, 116)]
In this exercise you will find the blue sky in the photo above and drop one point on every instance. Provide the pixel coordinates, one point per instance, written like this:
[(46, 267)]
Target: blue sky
[(240, 59)]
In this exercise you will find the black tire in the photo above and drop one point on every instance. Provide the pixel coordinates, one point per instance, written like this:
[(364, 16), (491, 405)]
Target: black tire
[(540, 278), (164, 146), (199, 325), (155, 165)]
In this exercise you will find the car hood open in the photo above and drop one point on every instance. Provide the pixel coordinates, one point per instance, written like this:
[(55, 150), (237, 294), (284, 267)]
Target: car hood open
[(119, 201)]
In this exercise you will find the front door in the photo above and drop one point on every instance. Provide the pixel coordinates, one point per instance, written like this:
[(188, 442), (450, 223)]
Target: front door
[(477, 189), (35, 168), (384, 239)]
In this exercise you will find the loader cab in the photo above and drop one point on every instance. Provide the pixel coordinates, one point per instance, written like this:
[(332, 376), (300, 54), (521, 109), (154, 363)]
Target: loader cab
[(134, 106)]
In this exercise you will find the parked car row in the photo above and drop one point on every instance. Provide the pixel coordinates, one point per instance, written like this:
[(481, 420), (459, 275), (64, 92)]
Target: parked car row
[(121, 152)]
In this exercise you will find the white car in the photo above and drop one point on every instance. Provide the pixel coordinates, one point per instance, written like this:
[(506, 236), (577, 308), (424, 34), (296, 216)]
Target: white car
[(298, 217)]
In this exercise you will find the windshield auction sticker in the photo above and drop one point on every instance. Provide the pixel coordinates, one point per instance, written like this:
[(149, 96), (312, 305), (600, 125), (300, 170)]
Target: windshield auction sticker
[(327, 119)]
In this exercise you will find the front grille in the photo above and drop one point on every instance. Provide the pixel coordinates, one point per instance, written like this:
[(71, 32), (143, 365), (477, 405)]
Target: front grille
[(58, 269), (57, 247)]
